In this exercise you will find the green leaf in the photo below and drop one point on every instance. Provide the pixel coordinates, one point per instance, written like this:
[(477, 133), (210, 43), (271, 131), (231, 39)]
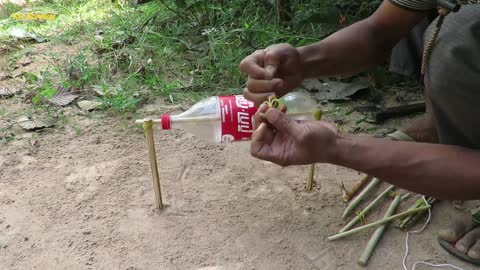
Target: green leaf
[(180, 3)]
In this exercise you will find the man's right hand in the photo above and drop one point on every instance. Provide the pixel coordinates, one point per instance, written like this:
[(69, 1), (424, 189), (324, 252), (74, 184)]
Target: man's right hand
[(273, 71)]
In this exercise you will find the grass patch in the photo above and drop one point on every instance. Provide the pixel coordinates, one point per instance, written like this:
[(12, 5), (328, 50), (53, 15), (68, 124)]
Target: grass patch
[(180, 50)]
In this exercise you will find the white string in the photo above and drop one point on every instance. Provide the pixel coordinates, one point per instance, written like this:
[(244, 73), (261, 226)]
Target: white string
[(443, 265)]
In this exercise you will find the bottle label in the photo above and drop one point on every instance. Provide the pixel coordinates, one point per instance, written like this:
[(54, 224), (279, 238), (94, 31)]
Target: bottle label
[(236, 114)]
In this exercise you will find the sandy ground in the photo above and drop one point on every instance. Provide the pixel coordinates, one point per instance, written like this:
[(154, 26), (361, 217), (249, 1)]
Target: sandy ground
[(85, 201), (80, 196)]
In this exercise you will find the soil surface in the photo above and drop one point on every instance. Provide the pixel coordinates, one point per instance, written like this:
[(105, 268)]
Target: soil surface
[(80, 196)]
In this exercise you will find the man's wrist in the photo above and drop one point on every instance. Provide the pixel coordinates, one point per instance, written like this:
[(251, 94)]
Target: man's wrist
[(340, 149), (310, 57)]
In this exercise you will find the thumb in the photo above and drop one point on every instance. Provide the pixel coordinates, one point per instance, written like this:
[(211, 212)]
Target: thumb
[(282, 123)]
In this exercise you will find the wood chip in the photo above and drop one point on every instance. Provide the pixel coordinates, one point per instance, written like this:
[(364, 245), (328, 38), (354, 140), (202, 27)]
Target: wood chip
[(63, 97), (30, 124), (89, 105), (7, 92)]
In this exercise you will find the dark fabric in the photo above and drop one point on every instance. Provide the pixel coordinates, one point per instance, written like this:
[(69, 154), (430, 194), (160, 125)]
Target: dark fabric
[(406, 56), (452, 78)]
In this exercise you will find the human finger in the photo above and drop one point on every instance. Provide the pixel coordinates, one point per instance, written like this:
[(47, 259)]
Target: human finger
[(264, 86), (282, 123), (257, 118), (260, 146), (257, 98), (253, 65)]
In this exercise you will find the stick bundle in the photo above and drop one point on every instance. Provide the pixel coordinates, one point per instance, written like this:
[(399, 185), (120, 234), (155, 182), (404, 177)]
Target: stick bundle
[(377, 223), (409, 221)]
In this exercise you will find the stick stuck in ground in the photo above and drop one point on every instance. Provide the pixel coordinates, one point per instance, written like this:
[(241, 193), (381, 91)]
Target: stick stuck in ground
[(148, 128), (317, 115)]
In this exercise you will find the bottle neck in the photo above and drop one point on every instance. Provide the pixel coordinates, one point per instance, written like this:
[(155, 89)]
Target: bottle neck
[(166, 121)]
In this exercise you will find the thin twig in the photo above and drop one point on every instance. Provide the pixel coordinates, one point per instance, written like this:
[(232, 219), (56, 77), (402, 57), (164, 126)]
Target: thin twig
[(176, 13)]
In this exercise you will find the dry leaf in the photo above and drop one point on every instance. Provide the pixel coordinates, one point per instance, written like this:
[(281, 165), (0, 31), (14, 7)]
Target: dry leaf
[(89, 105), (35, 123), (7, 92), (63, 97), (333, 90)]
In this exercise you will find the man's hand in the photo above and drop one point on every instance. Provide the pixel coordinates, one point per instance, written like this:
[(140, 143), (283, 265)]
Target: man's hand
[(288, 142), (275, 70)]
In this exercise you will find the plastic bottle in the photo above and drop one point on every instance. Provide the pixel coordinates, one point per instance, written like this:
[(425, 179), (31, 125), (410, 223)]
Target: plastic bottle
[(230, 118)]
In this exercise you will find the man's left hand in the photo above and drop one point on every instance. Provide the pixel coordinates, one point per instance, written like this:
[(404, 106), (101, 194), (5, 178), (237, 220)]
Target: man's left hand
[(289, 142)]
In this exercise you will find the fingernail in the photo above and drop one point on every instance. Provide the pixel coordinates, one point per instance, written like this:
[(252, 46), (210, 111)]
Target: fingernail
[(279, 86)]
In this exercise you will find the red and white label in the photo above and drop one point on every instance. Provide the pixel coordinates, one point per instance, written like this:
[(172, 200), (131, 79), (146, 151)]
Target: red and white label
[(236, 114)]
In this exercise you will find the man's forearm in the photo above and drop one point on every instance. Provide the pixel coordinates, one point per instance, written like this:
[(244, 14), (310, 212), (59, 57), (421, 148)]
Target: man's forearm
[(359, 46), (348, 51), (442, 171)]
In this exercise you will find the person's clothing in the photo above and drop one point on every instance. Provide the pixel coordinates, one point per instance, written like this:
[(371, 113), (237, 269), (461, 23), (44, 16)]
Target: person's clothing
[(452, 78), (406, 56), (425, 5)]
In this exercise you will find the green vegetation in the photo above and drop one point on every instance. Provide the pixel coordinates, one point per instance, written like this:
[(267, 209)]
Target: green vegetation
[(180, 50)]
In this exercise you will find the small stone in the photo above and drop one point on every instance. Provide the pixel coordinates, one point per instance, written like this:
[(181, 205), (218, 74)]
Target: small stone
[(87, 232), (26, 239)]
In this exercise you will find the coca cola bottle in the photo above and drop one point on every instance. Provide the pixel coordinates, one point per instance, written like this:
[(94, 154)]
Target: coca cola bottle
[(230, 118)]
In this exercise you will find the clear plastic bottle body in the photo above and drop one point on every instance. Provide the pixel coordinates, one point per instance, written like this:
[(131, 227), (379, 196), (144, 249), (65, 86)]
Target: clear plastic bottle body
[(204, 120)]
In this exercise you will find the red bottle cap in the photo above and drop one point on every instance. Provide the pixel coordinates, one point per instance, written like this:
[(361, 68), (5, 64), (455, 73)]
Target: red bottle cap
[(165, 121)]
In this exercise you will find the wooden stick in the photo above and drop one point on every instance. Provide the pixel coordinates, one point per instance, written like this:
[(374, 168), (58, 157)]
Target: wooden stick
[(148, 128), (311, 172), (317, 115), (367, 209), (377, 235), (376, 223), (355, 202), (348, 195)]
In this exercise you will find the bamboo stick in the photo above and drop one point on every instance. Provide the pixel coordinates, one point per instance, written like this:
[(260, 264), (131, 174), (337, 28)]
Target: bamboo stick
[(311, 172), (377, 235), (355, 202), (367, 209), (376, 223), (148, 128), (348, 195), (317, 115)]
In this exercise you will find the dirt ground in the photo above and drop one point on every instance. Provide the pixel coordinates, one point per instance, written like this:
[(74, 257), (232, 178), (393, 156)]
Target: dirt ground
[(80, 196)]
